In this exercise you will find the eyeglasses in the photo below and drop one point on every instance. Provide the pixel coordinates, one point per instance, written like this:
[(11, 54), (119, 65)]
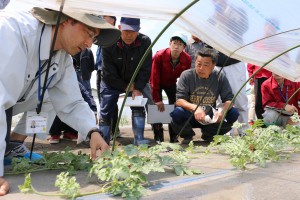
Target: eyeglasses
[(91, 34)]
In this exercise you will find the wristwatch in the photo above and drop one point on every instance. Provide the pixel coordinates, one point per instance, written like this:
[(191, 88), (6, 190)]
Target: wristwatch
[(94, 130)]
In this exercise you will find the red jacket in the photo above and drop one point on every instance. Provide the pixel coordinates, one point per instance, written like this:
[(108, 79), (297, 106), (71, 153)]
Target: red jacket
[(163, 74), (262, 73), (274, 97)]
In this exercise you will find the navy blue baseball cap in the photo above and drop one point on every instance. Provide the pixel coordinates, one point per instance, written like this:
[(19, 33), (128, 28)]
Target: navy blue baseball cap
[(130, 24)]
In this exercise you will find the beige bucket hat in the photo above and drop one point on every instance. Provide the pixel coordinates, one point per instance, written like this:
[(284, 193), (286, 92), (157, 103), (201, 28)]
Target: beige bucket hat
[(108, 33)]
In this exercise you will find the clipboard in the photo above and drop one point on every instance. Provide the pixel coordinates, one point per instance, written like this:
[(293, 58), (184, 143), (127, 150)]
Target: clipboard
[(154, 116)]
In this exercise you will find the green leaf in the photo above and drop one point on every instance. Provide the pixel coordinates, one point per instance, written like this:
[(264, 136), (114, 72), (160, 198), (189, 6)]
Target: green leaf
[(178, 170), (131, 150), (21, 165), (197, 171), (26, 187), (142, 178), (188, 171), (67, 185)]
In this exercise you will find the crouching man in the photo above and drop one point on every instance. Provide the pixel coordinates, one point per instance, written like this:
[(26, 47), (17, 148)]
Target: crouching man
[(192, 88), (276, 91)]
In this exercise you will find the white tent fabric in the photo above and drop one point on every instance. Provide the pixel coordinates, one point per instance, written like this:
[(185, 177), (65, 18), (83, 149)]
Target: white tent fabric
[(253, 31)]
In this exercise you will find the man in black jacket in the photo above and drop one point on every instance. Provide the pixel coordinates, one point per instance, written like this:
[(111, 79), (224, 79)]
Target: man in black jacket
[(85, 59), (119, 63)]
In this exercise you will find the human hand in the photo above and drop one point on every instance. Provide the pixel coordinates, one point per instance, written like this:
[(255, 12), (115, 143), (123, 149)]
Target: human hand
[(219, 115), (200, 115), (160, 106), (251, 81), (136, 93), (290, 109), (97, 143), (4, 186), (131, 88)]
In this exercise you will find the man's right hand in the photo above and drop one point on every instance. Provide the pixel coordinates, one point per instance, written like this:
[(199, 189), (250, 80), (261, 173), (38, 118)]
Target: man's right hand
[(131, 87), (97, 143), (290, 108), (200, 115), (136, 93), (4, 186), (160, 106)]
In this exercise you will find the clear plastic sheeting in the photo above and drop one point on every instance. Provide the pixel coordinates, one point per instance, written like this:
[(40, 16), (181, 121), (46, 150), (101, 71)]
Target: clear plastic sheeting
[(253, 31)]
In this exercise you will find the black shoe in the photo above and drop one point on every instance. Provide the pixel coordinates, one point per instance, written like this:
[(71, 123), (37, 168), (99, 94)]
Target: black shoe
[(173, 140), (158, 133), (159, 137), (186, 140), (173, 135), (207, 137)]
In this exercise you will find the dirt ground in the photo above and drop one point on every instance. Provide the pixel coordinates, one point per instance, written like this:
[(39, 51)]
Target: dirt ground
[(125, 139)]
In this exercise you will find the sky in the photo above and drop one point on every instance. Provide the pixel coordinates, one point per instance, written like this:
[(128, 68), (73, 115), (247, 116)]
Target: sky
[(150, 28)]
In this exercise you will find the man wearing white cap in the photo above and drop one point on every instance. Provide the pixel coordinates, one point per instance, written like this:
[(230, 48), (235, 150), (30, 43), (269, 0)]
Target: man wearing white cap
[(167, 66), (27, 38)]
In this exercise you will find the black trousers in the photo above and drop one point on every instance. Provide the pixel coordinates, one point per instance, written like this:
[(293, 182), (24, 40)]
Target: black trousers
[(171, 94), (258, 97), (8, 113), (58, 126)]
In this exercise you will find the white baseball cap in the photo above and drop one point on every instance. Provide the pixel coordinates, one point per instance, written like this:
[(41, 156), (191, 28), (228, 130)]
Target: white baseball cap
[(181, 36)]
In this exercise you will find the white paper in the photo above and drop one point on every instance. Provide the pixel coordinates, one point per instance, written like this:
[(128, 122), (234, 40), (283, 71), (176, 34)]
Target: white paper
[(155, 116), (144, 101), (209, 120), (138, 101)]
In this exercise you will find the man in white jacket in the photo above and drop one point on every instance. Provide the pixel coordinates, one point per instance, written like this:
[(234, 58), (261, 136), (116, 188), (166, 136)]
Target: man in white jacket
[(26, 39)]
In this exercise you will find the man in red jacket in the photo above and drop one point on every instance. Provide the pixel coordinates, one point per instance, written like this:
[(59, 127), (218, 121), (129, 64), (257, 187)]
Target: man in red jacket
[(167, 65), (276, 90)]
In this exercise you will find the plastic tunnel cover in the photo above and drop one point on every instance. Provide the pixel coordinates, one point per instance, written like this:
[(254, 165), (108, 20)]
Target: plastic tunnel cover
[(253, 31)]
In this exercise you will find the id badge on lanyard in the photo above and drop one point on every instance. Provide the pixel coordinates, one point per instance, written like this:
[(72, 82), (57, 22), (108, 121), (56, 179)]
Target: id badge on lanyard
[(36, 123)]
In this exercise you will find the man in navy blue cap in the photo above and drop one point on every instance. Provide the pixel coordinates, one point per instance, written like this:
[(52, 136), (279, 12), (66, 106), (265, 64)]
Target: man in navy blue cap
[(118, 65)]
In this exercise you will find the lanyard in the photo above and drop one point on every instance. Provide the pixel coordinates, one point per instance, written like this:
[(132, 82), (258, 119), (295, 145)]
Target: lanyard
[(286, 93), (40, 72)]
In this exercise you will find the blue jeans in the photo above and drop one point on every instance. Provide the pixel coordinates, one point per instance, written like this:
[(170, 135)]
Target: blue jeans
[(180, 116), (109, 102)]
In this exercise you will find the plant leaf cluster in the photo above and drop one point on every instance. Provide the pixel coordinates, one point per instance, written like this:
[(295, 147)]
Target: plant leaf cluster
[(122, 172), (65, 160), (125, 170), (258, 145), (67, 185)]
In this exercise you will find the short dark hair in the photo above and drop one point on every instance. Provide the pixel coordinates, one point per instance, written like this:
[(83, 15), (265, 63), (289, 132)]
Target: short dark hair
[(114, 18), (177, 39), (208, 52)]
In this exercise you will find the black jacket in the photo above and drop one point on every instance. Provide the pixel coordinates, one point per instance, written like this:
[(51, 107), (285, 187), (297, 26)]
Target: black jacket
[(85, 59), (119, 63)]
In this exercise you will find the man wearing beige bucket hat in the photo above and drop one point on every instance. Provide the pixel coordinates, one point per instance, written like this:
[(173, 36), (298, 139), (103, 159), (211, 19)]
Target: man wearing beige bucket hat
[(26, 39)]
